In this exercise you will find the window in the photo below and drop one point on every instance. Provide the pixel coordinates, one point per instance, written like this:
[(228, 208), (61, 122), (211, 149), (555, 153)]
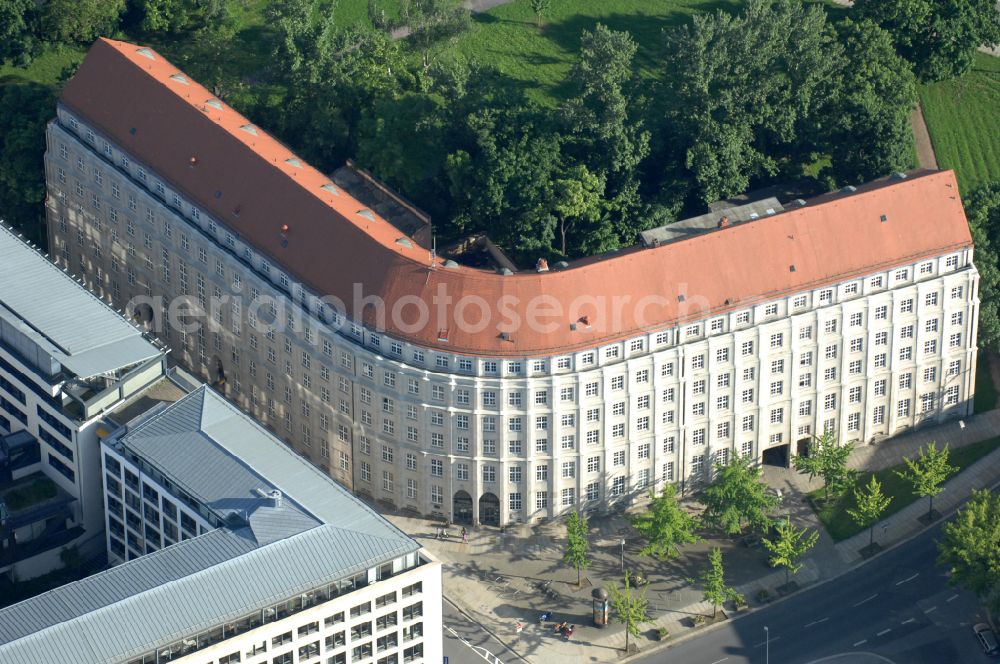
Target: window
[(878, 415), (747, 423), (805, 408), (514, 501), (951, 396), (568, 497), (619, 458), (857, 345), (906, 306), (954, 340), (777, 340), (806, 332), (777, 415), (931, 299), (854, 422), (489, 474), (830, 402), (956, 292), (954, 367), (698, 362), (830, 326)]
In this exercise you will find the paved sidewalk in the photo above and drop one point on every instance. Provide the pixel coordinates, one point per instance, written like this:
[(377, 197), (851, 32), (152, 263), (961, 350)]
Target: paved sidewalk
[(496, 577)]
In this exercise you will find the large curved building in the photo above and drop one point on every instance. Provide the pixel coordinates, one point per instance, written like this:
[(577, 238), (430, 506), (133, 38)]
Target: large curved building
[(498, 396)]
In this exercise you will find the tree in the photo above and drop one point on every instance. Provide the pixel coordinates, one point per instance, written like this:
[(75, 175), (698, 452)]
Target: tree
[(867, 124), (870, 504), (18, 29), (604, 128), (665, 525), (576, 544), (970, 548), (737, 497), (714, 582), (630, 609), (25, 109), (789, 546), (80, 21), (983, 211), (827, 459), (167, 15), (501, 180), (578, 205), (540, 7), (938, 36), (927, 473), (738, 92)]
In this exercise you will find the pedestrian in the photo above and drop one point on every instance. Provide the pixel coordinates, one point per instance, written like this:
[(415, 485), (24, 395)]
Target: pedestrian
[(545, 617), (518, 626), (560, 627), (465, 536), (569, 632)]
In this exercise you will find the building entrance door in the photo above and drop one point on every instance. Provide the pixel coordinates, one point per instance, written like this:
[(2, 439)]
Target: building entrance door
[(462, 508), (489, 510)]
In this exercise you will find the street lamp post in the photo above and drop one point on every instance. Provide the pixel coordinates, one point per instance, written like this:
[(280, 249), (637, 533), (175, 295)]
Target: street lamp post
[(767, 645), (623, 555)]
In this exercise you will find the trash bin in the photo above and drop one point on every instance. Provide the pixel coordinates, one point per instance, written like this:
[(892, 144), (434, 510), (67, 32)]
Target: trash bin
[(600, 596)]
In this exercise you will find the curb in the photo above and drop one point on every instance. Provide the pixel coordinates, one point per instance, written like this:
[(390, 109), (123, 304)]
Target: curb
[(862, 563), (485, 628)]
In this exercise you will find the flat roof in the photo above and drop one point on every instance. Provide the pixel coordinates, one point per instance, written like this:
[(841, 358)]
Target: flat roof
[(62, 317), (705, 222), (320, 533)]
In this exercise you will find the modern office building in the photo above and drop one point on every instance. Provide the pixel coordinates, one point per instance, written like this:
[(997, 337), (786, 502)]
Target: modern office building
[(238, 550), (66, 358), (499, 396)]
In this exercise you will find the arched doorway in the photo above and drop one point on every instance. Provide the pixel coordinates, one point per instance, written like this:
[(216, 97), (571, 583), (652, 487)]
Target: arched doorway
[(462, 508), (489, 510)]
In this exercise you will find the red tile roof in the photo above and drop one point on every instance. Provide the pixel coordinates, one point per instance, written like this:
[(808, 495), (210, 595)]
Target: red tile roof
[(254, 185)]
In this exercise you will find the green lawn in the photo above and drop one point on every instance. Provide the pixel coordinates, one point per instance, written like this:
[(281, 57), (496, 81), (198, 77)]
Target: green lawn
[(507, 37), (963, 118), (45, 69), (839, 523), (986, 391)]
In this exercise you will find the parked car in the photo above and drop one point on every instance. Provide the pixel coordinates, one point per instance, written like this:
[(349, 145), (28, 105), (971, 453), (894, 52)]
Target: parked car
[(987, 639)]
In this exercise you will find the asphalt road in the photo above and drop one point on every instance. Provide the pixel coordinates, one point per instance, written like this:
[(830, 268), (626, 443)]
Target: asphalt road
[(897, 609), (465, 642)]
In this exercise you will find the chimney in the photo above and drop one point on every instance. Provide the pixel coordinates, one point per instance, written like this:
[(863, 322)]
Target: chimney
[(724, 222), (275, 497), (542, 265)]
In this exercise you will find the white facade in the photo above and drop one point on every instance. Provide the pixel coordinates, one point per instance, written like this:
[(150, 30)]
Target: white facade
[(498, 440)]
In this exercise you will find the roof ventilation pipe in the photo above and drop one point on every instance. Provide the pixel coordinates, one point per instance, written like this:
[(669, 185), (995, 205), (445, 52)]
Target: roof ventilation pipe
[(542, 265), (275, 497), (724, 222)]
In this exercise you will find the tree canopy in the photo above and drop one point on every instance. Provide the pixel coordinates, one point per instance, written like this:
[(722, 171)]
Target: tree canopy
[(629, 608), (868, 118), (713, 582), (827, 458), (25, 109), (737, 497), (665, 525), (789, 545), (927, 473), (983, 210), (577, 544), (938, 36), (870, 504), (970, 551), (741, 90)]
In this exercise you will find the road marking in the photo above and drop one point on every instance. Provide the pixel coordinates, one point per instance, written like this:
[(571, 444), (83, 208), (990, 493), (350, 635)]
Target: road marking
[(899, 583), (884, 631), (860, 643), (718, 661), (907, 622), (762, 643), (953, 597), (933, 608), (453, 632), (816, 622), (867, 600)]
